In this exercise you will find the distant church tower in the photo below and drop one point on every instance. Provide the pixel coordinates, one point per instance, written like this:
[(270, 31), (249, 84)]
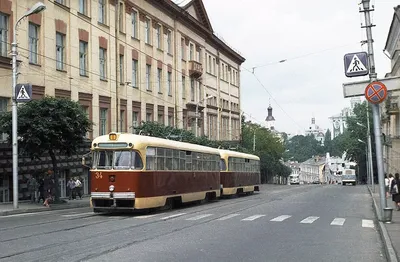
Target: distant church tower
[(270, 119)]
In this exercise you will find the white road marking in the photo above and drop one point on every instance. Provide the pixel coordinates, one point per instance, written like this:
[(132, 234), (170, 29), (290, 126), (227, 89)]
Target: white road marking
[(252, 217), (280, 218), (172, 216), (145, 216), (309, 220), (367, 223), (199, 217), (79, 214), (27, 214), (228, 216), (338, 221)]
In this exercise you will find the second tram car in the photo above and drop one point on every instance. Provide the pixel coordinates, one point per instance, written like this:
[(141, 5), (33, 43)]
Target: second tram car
[(240, 173), (140, 172)]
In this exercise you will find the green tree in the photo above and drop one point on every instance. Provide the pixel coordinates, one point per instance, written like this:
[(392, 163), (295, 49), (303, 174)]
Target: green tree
[(300, 148), (49, 125)]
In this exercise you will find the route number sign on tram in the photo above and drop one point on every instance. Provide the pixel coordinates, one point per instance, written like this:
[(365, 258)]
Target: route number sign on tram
[(376, 92)]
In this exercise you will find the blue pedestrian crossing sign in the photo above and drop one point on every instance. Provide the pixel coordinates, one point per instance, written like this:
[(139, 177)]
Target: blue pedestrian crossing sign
[(356, 64), (23, 92)]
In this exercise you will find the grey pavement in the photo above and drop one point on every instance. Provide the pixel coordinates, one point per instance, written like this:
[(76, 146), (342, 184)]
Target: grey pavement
[(281, 223), (28, 207), (390, 232)]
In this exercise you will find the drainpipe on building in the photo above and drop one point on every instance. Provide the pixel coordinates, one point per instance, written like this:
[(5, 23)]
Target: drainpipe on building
[(219, 108)]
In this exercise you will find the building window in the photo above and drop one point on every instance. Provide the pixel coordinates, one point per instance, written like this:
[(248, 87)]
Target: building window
[(134, 72), (183, 87), (158, 35), (86, 110), (191, 52), (159, 79), (148, 76), (122, 121), (83, 7), (3, 34), (134, 24), (192, 90), (103, 121), (169, 42), (103, 63), (183, 48), (161, 118), (102, 11), (121, 69), (147, 31), (60, 51), (170, 120), (60, 2), (83, 58), (169, 79), (33, 43), (149, 117), (135, 120), (121, 17)]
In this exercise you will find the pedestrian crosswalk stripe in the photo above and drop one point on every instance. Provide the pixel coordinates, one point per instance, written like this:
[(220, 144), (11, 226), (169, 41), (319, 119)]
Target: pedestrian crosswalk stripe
[(280, 218), (338, 221), (228, 216), (145, 216), (199, 217), (172, 216), (252, 217), (79, 214), (309, 220), (367, 223)]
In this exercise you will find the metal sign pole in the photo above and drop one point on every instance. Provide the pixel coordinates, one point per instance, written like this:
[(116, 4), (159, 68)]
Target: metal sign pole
[(375, 111)]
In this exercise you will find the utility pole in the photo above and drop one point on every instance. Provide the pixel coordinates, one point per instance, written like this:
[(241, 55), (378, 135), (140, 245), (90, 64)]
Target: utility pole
[(371, 165), (375, 113)]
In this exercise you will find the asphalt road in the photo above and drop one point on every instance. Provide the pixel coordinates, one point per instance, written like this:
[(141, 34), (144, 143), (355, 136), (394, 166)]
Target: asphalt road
[(281, 223)]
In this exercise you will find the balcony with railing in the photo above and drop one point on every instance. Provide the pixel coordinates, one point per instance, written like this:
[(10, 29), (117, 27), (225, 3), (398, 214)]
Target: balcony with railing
[(195, 69)]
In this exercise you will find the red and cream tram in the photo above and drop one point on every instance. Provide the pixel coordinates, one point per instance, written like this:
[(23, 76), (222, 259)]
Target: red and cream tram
[(140, 172), (240, 173)]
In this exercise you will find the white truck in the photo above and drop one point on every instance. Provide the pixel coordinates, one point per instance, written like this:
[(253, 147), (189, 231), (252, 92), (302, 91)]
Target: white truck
[(294, 179), (349, 177)]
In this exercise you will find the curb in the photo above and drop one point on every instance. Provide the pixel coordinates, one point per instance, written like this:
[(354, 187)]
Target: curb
[(387, 242), (42, 209)]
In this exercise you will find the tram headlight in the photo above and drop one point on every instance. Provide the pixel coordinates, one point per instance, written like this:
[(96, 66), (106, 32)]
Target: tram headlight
[(111, 188)]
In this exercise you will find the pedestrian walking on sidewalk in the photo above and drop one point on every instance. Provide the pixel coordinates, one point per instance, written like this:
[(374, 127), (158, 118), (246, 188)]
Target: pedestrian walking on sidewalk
[(394, 190)]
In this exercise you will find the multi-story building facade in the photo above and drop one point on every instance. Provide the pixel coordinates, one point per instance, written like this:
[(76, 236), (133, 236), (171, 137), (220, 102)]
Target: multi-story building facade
[(316, 131), (313, 170), (390, 108), (125, 62), (339, 121)]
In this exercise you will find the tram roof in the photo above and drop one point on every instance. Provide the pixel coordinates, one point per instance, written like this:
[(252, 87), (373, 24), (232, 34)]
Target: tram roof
[(231, 153), (154, 141)]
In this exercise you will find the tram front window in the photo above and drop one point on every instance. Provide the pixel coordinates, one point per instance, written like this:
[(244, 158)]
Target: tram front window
[(122, 159)]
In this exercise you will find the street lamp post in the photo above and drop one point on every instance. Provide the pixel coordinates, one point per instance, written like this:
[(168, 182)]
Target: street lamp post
[(37, 8), (197, 113), (371, 166)]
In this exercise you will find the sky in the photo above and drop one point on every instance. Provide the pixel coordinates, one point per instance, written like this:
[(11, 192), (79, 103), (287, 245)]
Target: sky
[(313, 36)]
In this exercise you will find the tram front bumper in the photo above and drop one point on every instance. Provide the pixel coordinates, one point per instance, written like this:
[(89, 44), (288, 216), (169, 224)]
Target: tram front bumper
[(112, 200)]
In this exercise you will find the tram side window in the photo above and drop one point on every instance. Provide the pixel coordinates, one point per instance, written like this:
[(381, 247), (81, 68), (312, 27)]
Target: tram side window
[(188, 160), (168, 162), (150, 158), (104, 160), (222, 164), (160, 158), (175, 160), (182, 160)]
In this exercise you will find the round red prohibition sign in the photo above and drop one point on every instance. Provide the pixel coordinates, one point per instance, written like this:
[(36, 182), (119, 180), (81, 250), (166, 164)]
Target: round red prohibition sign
[(376, 92)]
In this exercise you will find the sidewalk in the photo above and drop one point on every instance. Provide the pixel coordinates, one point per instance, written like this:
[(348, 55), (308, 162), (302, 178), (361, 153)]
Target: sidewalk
[(390, 232), (28, 207)]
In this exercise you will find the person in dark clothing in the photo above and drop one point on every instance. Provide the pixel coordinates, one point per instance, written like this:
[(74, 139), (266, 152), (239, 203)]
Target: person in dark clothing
[(41, 190), (394, 189)]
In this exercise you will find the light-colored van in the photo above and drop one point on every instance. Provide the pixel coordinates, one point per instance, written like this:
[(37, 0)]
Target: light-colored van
[(349, 177)]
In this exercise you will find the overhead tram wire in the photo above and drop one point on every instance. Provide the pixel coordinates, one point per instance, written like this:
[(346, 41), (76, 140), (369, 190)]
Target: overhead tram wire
[(270, 95)]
